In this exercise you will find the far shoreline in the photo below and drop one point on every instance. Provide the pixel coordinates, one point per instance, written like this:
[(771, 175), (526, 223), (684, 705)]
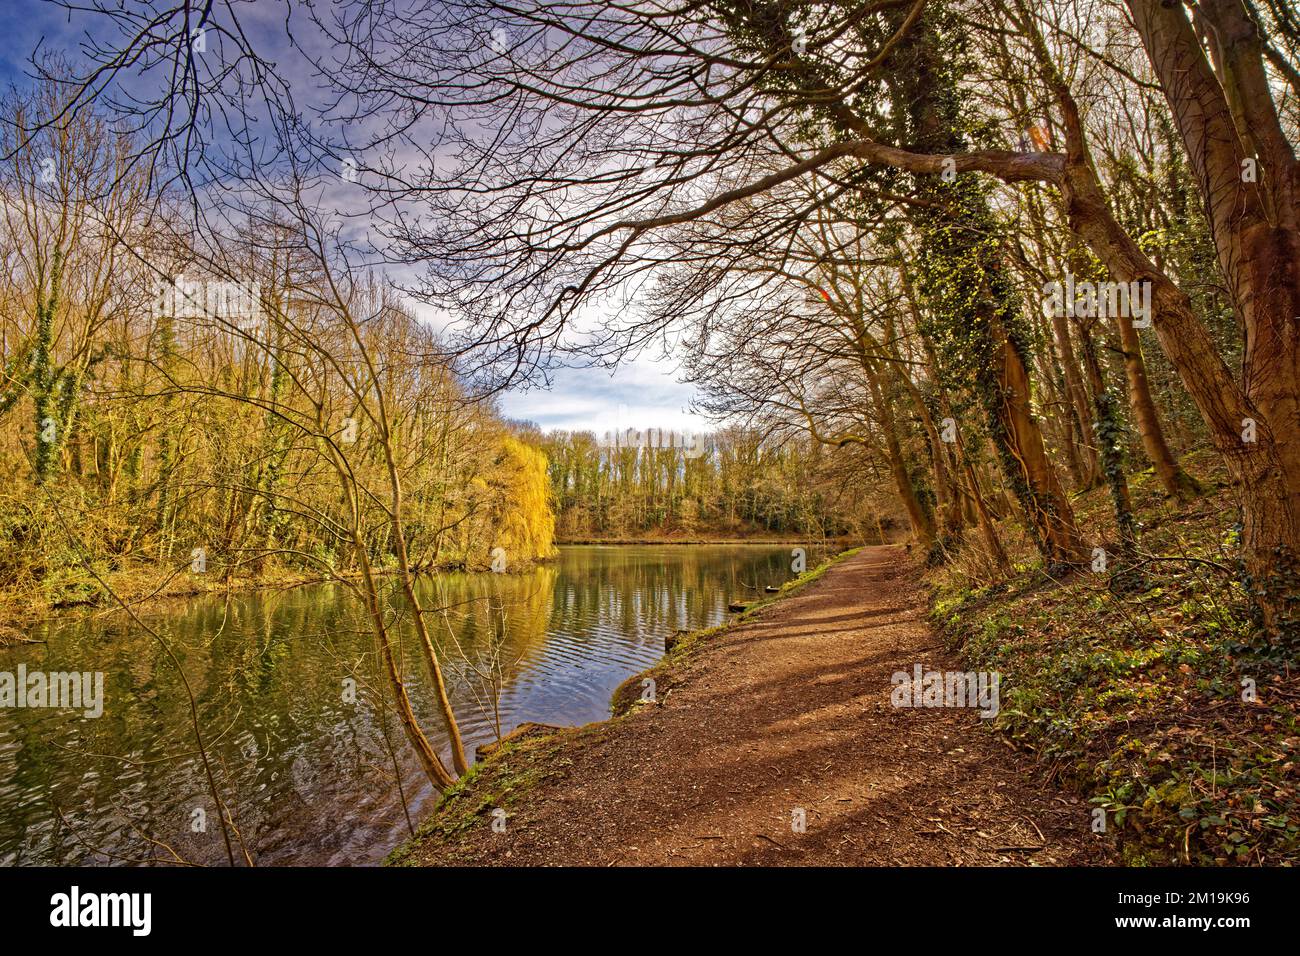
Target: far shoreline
[(828, 542), (145, 588)]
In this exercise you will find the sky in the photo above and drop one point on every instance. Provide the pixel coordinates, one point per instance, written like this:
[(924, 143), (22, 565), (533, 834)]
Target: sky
[(23, 23), (641, 393)]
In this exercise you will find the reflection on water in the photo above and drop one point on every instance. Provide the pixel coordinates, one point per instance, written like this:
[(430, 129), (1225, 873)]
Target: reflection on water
[(310, 776)]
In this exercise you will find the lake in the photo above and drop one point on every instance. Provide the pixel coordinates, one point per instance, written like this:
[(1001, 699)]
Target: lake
[(308, 753)]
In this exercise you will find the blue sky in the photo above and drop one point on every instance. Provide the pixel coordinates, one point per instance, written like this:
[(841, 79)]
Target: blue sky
[(22, 24), (642, 393)]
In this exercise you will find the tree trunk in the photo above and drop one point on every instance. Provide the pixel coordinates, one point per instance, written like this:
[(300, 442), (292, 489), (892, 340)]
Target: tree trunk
[(1078, 400), (1107, 431), (922, 522), (946, 502), (1254, 225), (398, 528), (997, 554), (1176, 481), (429, 760), (1048, 510)]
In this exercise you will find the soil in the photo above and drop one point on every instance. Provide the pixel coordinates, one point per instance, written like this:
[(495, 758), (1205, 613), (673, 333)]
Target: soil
[(786, 711)]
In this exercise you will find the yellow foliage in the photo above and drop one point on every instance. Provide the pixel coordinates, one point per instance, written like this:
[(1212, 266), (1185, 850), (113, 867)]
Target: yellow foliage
[(524, 522)]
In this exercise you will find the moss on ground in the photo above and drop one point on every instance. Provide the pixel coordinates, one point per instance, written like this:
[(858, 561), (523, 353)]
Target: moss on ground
[(512, 770), (1133, 685)]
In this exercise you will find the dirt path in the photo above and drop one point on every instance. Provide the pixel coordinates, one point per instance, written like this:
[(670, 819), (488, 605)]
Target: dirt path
[(789, 710)]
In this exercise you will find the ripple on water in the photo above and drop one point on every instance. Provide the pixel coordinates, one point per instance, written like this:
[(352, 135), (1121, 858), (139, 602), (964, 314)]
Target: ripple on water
[(311, 777)]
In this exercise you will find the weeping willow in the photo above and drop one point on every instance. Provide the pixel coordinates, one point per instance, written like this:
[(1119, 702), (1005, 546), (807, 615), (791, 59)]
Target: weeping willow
[(524, 522)]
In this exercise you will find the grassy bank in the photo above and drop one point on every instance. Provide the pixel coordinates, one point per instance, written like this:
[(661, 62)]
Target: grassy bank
[(534, 754), (1136, 689)]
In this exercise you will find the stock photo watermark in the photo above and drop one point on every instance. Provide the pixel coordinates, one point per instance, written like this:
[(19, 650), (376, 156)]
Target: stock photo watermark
[(54, 690), (691, 444), (76, 909), (978, 690), (239, 303), (1093, 300)]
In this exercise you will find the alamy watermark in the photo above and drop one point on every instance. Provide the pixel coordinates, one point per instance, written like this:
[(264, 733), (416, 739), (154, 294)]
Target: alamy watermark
[(75, 908), (691, 444), (69, 690), (1089, 300), (238, 303), (922, 688)]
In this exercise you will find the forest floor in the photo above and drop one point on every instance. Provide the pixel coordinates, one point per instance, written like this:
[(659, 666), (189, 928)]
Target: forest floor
[(1145, 687), (782, 716)]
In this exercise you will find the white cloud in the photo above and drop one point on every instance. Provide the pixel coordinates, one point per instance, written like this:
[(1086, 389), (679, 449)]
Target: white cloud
[(640, 394)]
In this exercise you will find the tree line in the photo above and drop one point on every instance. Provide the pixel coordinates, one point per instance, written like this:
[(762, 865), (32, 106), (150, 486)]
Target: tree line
[(162, 408), (729, 483)]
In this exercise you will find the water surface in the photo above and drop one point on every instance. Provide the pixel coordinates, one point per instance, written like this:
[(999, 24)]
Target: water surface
[(312, 776)]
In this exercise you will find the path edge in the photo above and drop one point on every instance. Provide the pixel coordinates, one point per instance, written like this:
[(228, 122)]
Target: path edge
[(531, 753)]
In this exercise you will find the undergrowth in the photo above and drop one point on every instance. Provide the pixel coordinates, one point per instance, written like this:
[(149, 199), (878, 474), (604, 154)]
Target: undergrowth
[(1138, 687)]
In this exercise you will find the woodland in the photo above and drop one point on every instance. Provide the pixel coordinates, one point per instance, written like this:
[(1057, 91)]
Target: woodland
[(1015, 282)]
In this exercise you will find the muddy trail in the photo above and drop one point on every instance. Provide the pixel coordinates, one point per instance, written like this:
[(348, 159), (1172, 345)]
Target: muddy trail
[(782, 718)]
